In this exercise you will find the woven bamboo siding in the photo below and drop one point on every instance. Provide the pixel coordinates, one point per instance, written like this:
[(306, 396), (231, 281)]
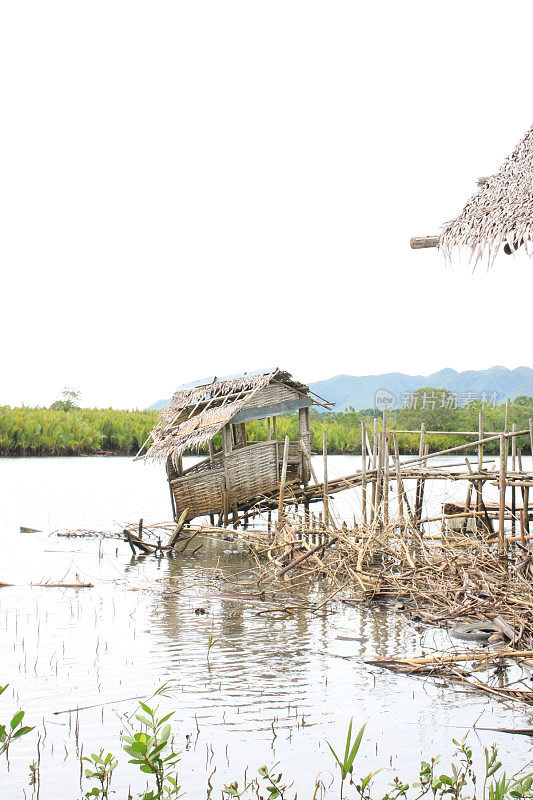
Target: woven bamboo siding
[(271, 395), (251, 471), (201, 494), (205, 465)]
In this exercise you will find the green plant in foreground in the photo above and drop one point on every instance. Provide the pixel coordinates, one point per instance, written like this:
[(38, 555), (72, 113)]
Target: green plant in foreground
[(101, 768), (151, 751), (350, 752), (210, 642), (274, 785), (14, 731)]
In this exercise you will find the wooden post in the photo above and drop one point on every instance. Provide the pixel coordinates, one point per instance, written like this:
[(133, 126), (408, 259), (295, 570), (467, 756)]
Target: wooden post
[(140, 528), (225, 502), (325, 481), (268, 429), (531, 439), (501, 516), (305, 437), (479, 485), (525, 501), (524, 497), (507, 412), (398, 479), (467, 504), (379, 478), (385, 468), (420, 482), (480, 445), (169, 468), (283, 477), (275, 428), (309, 462), (211, 452), (374, 479), (363, 472), (513, 488)]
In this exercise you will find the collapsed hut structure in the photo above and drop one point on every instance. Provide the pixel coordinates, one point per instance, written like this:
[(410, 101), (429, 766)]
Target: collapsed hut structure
[(467, 567), (499, 214), (242, 473)]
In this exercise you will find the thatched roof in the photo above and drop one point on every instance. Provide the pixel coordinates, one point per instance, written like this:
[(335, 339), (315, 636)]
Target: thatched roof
[(501, 211), (198, 412)]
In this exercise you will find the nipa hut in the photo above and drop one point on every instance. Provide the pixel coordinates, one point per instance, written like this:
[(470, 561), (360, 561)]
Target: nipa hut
[(499, 214), (241, 473)]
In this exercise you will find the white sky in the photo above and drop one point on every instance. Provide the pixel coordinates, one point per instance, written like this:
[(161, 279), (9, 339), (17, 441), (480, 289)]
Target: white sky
[(197, 188)]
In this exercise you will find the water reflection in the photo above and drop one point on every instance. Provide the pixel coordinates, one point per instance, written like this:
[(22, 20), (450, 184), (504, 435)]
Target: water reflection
[(276, 685)]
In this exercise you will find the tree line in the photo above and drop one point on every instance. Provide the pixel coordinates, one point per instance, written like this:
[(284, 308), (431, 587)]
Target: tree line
[(69, 430)]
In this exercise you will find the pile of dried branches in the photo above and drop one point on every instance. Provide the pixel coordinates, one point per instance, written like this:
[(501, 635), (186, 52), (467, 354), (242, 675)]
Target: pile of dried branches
[(440, 581)]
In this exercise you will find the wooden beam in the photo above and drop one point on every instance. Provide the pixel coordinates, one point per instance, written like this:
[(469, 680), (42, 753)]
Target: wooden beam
[(420, 242)]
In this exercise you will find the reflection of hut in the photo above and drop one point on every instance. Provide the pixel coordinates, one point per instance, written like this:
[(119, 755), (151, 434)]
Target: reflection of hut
[(499, 214), (242, 472)]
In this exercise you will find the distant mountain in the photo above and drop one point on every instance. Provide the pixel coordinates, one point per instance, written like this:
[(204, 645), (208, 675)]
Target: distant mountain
[(498, 383), (159, 405), (359, 392)]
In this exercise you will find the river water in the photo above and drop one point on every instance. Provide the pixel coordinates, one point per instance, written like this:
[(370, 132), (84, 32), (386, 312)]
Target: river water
[(275, 687)]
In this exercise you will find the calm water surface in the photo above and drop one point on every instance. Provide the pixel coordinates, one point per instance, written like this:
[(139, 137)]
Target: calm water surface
[(274, 690)]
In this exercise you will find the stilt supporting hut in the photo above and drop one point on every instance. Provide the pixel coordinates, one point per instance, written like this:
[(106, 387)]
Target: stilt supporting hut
[(499, 215), (237, 473)]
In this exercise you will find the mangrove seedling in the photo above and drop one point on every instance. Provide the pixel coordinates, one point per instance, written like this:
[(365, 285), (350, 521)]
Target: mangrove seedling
[(150, 749), (15, 730), (101, 768)]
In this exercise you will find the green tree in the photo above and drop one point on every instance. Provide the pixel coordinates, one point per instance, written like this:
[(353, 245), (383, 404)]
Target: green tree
[(70, 398)]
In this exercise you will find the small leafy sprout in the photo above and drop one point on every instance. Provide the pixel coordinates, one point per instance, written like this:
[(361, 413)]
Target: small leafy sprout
[(34, 773), (232, 790), (101, 768), (273, 783), (14, 731), (150, 750)]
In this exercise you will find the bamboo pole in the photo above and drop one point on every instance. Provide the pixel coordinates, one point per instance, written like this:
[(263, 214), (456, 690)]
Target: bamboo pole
[(468, 499), (398, 479), (283, 477), (531, 439), (513, 488), (385, 468), (363, 471), (525, 504), (503, 464), (374, 466), (479, 485), (419, 484), (379, 478), (305, 451), (325, 481)]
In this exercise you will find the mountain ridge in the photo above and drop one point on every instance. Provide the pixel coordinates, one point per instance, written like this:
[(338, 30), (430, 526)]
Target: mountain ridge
[(497, 383)]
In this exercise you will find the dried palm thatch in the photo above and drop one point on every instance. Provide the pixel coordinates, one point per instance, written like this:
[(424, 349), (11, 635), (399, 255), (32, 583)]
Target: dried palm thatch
[(195, 415), (501, 211)]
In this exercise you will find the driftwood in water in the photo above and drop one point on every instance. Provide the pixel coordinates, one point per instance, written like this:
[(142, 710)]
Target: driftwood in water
[(305, 556)]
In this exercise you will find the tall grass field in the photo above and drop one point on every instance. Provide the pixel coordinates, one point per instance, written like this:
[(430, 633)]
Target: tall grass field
[(89, 431)]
